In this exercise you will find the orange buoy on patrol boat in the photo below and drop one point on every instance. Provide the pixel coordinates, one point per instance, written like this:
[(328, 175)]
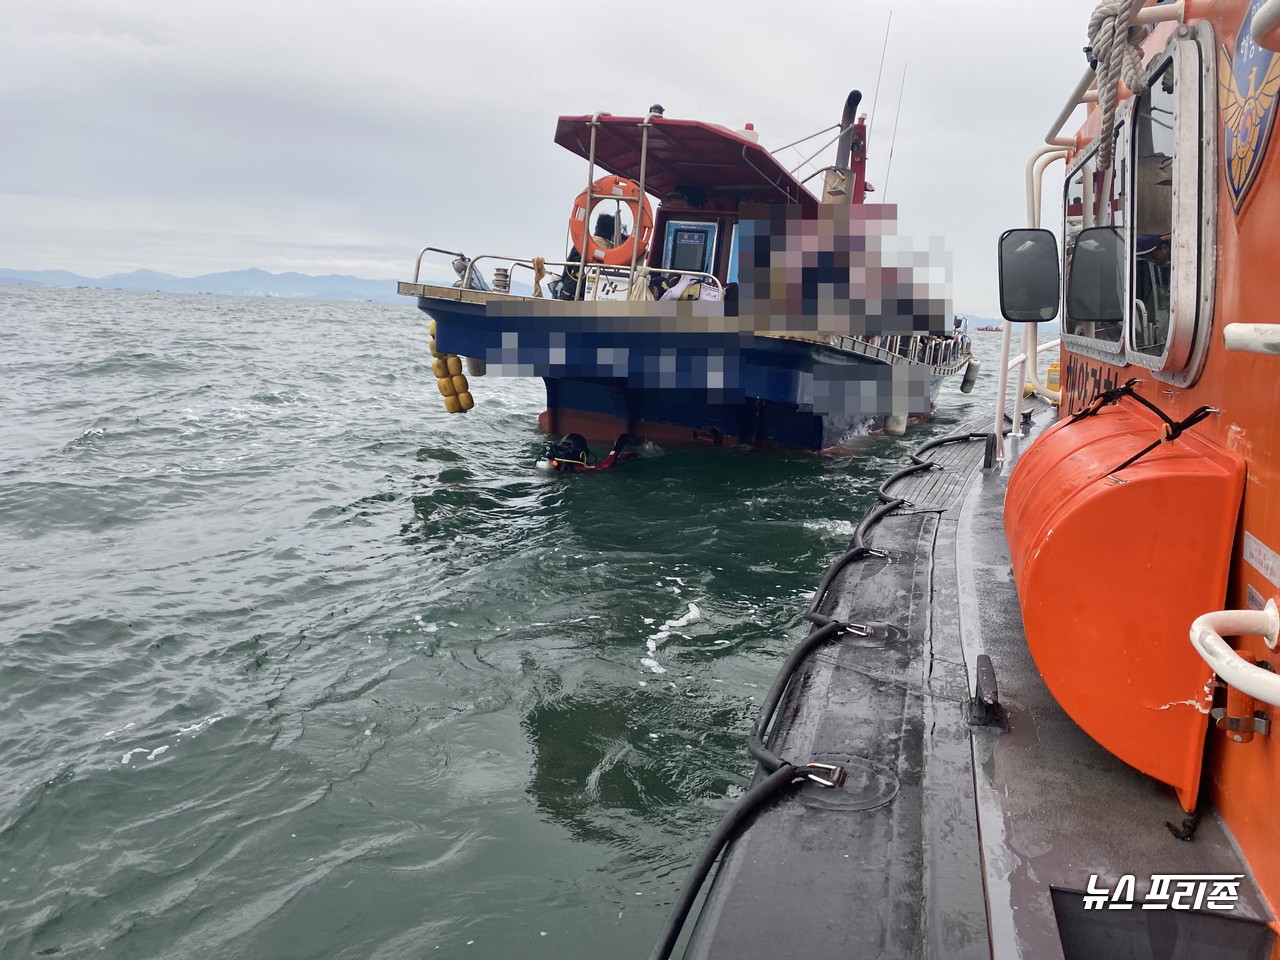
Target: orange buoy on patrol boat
[(1117, 544)]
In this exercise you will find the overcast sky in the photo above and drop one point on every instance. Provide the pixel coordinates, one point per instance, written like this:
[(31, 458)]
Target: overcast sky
[(340, 137)]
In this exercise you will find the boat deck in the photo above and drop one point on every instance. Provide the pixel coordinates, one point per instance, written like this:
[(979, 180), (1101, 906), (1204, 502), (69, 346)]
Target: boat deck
[(460, 294), (949, 838)]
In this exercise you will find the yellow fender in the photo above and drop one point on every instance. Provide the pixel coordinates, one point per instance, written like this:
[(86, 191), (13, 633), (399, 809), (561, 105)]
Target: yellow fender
[(450, 380)]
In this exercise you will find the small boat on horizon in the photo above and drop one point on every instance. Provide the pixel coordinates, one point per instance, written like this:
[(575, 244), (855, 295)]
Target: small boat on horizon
[(740, 309)]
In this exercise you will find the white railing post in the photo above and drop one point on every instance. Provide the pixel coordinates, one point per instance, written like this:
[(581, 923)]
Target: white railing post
[(1206, 636)]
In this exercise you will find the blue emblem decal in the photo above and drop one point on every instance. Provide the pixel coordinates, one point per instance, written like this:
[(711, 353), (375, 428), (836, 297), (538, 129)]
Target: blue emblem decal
[(1247, 93)]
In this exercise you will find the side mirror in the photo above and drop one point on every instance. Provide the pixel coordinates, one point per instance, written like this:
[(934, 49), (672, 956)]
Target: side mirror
[(1095, 282), (1029, 281)]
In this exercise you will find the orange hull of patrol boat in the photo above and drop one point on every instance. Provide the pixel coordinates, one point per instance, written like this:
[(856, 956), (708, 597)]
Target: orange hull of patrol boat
[(1169, 280)]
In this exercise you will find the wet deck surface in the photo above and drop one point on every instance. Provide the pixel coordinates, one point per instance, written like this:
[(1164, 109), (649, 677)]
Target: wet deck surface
[(943, 824)]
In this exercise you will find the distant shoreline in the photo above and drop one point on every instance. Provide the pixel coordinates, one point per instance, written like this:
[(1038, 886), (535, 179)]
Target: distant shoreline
[(242, 283), (253, 283)]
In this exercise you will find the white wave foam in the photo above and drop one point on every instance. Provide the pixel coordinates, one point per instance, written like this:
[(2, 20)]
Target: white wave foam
[(663, 632), (200, 725)]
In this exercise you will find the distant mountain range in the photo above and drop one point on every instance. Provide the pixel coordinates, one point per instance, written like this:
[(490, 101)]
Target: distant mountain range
[(245, 283)]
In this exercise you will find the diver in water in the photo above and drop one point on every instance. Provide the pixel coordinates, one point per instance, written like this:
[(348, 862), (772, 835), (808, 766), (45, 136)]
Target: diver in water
[(571, 455)]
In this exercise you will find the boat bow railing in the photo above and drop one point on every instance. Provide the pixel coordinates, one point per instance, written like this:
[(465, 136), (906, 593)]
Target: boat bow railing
[(597, 272), (417, 264), (471, 275)]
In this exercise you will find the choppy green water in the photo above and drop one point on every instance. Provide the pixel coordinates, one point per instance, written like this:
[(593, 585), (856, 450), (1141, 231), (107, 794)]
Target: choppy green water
[(296, 665)]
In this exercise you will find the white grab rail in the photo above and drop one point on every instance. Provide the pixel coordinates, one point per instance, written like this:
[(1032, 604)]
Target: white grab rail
[(1266, 24), (1252, 337), (1206, 636)]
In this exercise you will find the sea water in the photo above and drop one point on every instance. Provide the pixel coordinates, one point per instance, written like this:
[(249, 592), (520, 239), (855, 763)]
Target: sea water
[(297, 665)]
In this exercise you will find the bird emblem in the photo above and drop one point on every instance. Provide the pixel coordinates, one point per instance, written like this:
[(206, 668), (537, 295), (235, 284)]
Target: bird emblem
[(1247, 91)]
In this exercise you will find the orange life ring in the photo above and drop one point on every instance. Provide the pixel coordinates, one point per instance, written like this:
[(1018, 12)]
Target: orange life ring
[(612, 188)]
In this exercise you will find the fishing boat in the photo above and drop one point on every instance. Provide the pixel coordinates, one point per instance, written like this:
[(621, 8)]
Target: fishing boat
[(740, 308), (1034, 715)]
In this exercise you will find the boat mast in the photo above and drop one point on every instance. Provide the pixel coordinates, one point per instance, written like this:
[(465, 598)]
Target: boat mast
[(893, 139)]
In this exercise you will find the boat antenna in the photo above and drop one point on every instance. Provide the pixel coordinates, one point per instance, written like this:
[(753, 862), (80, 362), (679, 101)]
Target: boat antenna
[(879, 71), (894, 138)]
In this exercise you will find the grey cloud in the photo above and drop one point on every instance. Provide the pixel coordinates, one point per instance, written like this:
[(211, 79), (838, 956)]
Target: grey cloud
[(201, 136)]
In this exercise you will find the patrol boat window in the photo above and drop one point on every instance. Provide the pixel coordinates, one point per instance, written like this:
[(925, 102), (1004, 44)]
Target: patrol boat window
[(1153, 216), (1158, 203), (1096, 198), (1165, 263)]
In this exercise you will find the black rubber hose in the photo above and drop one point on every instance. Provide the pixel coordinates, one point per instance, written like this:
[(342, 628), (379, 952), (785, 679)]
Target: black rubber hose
[(755, 742), (953, 438), (857, 547), (903, 473), (875, 515), (741, 812), (782, 772), (856, 552)]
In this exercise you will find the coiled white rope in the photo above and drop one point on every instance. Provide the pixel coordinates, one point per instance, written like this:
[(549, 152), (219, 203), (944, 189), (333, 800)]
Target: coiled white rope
[(1114, 44)]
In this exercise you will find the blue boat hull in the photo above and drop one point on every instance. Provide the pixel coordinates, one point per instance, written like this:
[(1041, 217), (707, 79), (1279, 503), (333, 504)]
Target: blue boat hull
[(602, 409), (610, 376)]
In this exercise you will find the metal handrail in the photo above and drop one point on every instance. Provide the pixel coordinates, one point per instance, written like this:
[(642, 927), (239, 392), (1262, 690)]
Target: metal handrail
[(594, 269), (586, 225), (1207, 632), (638, 224), (521, 262), (583, 269), (513, 261), (417, 264), (1036, 166), (1042, 348), (952, 354), (1084, 92)]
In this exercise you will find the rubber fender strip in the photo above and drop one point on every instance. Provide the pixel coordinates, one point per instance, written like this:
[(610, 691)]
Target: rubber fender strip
[(738, 815), (783, 773), (755, 742), (856, 552), (888, 503)]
